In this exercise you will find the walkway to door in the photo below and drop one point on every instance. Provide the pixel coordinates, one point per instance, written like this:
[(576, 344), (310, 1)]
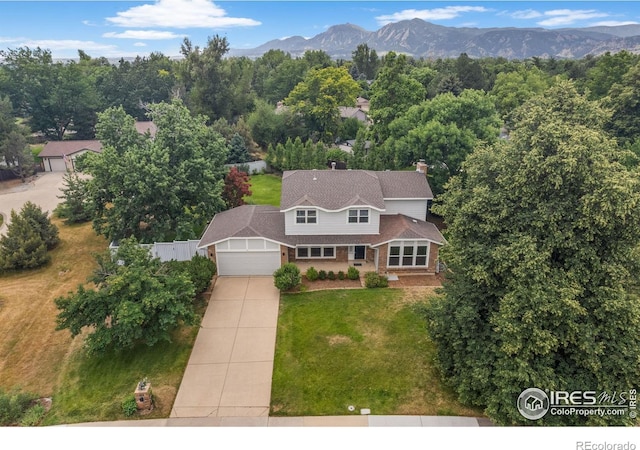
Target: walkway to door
[(230, 368)]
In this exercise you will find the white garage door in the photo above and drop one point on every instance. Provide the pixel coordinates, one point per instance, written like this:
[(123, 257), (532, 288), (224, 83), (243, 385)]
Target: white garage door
[(54, 165), (242, 257)]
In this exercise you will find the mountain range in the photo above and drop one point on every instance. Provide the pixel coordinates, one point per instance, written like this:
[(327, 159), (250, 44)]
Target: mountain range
[(422, 39)]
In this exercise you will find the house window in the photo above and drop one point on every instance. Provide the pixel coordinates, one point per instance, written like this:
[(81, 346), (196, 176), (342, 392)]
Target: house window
[(408, 254), (315, 252), (306, 216), (358, 216)]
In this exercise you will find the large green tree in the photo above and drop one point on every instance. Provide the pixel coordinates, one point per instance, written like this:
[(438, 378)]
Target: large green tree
[(318, 97), (156, 189), (443, 131), (543, 233), (136, 300), (392, 93)]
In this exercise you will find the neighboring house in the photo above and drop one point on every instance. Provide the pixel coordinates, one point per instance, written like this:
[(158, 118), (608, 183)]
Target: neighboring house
[(347, 146), (344, 217), (60, 156), (349, 112)]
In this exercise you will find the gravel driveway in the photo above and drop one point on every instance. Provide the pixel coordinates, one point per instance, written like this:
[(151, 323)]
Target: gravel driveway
[(42, 190)]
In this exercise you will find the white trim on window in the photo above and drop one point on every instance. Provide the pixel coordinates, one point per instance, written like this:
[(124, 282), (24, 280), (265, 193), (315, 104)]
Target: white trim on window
[(358, 215), (306, 216), (408, 254), (315, 252)]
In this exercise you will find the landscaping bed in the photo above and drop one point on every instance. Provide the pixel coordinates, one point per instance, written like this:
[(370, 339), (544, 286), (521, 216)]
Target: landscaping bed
[(319, 285)]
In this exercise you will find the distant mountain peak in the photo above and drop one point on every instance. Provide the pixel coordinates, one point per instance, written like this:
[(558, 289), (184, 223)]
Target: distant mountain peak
[(422, 39)]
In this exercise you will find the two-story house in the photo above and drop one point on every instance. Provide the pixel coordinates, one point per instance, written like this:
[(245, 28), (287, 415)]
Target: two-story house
[(375, 220)]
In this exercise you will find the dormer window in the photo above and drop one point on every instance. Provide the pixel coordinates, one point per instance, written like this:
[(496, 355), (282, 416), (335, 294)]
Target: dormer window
[(358, 216), (306, 216)]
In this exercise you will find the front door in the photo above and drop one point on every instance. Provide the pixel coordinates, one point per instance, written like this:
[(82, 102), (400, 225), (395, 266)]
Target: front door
[(359, 252)]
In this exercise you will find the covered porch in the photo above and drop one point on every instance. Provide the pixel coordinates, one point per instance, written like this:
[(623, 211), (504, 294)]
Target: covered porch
[(335, 266)]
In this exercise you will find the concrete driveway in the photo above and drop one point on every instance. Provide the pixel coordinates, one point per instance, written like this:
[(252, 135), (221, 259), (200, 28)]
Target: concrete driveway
[(43, 191), (230, 368)]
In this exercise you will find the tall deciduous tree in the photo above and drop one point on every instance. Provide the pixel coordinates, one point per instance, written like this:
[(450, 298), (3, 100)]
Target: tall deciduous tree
[(366, 61), (136, 300), (543, 234), (392, 93), (161, 188), (318, 97)]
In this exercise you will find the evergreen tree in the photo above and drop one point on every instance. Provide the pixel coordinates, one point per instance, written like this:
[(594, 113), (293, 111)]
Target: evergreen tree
[(238, 152), (39, 221), (75, 206), (22, 247)]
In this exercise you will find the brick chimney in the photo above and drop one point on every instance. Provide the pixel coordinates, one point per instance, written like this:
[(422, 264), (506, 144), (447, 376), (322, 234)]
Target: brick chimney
[(421, 166)]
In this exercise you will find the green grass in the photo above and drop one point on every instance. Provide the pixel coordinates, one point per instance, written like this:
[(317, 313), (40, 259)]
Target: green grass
[(265, 190), (92, 388), (366, 348)]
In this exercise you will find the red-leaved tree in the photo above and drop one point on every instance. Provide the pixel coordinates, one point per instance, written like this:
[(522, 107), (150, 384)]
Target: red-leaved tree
[(236, 186)]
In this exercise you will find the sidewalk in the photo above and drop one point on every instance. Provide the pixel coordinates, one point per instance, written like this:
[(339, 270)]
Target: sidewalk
[(311, 421)]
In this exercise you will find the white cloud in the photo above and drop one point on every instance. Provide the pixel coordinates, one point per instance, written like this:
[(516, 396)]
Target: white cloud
[(142, 34), (448, 12), (139, 44), (526, 14), (88, 23), (612, 23), (563, 17), (67, 44), (179, 14)]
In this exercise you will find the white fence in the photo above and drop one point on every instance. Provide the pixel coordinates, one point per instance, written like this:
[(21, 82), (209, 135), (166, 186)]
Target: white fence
[(254, 166), (167, 251)]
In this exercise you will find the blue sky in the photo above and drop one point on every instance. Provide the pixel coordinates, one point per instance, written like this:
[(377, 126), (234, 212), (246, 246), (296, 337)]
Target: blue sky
[(124, 28)]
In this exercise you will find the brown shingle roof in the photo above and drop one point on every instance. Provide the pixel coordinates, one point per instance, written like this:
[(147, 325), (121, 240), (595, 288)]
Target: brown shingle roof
[(268, 222), (143, 127), (245, 221), (338, 189), (57, 149), (404, 184)]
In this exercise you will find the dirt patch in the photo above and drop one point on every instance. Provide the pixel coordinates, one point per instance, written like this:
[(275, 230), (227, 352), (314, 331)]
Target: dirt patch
[(338, 339)]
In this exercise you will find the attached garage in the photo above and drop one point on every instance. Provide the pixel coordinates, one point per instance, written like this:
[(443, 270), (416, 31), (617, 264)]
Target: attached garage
[(247, 256), (54, 165)]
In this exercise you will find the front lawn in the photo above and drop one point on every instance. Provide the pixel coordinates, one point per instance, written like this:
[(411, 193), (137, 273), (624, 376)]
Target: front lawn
[(366, 348), (265, 190)]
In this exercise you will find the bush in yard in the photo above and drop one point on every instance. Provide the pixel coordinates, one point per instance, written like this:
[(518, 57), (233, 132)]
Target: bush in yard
[(311, 274), (353, 273), (287, 277), (331, 275), (129, 406), (322, 275), (199, 269), (13, 406), (373, 280), (341, 275), (33, 416)]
